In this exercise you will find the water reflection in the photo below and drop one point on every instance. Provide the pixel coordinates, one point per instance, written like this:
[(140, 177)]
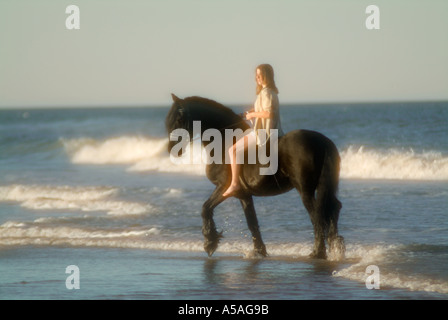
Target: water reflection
[(273, 278)]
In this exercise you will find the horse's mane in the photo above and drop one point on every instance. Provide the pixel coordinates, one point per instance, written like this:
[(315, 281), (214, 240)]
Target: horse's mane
[(196, 100), (207, 106), (211, 113)]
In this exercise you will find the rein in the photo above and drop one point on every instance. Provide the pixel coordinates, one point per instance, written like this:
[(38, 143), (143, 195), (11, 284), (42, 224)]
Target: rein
[(188, 127)]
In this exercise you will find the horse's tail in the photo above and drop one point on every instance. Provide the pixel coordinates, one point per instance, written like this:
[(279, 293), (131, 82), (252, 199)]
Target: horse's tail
[(327, 204)]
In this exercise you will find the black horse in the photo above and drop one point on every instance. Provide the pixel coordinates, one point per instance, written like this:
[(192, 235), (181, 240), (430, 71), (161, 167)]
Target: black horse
[(307, 161)]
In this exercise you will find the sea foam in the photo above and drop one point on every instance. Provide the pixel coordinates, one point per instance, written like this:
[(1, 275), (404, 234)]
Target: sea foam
[(150, 154), (365, 163), (82, 198), (140, 154)]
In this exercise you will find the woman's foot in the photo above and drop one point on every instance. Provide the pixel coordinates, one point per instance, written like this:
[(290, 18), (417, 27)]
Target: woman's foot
[(231, 190)]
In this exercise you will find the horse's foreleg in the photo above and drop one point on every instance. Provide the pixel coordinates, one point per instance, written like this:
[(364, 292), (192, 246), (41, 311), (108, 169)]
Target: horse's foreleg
[(252, 223), (211, 236)]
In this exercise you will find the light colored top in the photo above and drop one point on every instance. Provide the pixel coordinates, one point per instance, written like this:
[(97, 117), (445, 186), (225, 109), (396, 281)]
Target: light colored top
[(267, 100)]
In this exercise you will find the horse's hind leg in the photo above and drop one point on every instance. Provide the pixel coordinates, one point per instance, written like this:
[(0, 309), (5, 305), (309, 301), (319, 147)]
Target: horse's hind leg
[(211, 236), (252, 223), (335, 241), (319, 250)]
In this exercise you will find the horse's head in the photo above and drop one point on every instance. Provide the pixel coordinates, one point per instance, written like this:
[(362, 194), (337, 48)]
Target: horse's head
[(177, 118), (211, 114)]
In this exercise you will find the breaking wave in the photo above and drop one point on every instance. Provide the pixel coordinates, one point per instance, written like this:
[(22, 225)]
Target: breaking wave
[(90, 198), (139, 153), (150, 154), (386, 258), (364, 163)]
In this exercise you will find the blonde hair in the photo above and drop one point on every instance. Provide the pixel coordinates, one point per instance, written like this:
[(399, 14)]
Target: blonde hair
[(267, 73)]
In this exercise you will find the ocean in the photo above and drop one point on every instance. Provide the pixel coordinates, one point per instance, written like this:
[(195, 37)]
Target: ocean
[(91, 207)]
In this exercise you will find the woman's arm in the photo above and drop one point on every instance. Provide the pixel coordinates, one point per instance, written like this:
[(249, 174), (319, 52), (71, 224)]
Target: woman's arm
[(261, 114), (266, 99)]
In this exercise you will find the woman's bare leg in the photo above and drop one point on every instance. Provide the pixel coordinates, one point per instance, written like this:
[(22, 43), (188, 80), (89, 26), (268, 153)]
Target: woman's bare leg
[(235, 167)]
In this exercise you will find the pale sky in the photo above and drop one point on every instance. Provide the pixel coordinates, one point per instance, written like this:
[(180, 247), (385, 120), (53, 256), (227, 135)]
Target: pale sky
[(130, 52)]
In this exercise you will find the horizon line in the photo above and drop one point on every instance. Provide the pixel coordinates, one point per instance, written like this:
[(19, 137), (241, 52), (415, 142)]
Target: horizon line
[(229, 104)]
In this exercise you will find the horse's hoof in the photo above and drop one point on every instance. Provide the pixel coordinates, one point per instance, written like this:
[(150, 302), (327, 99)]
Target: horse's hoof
[(256, 254), (261, 252), (318, 255), (337, 248), (210, 246)]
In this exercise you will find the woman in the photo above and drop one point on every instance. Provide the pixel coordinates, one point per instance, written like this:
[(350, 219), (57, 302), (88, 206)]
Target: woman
[(266, 116)]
